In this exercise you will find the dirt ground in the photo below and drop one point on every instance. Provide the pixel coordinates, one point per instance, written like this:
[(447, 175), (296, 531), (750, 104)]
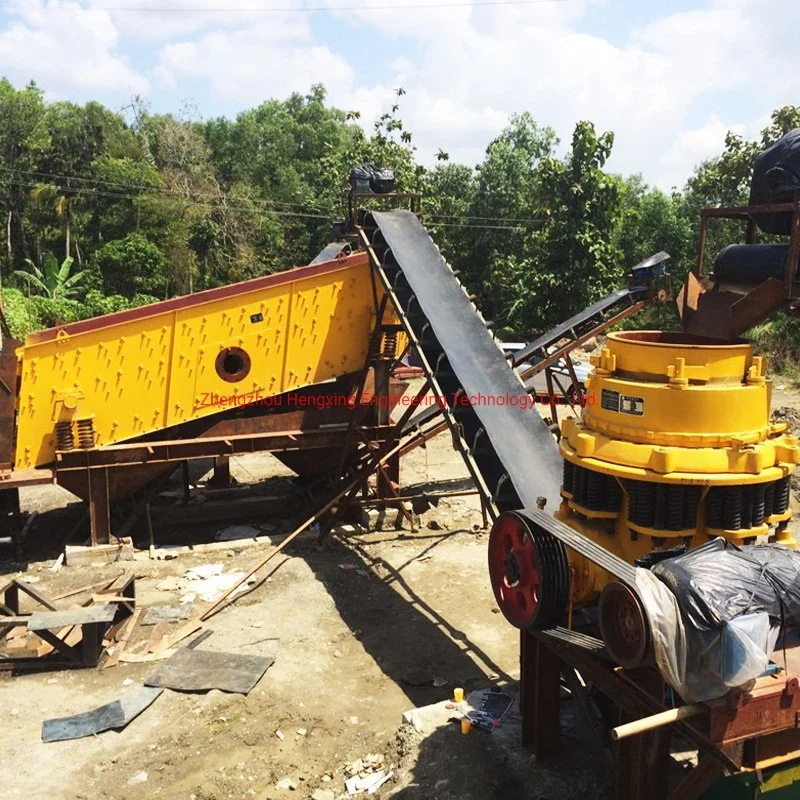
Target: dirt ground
[(363, 629)]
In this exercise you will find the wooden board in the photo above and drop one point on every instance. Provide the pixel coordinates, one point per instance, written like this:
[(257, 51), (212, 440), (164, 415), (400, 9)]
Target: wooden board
[(50, 620)]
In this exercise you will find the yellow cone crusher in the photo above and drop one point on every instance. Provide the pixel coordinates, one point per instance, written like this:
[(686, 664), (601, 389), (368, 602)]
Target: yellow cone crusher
[(674, 447)]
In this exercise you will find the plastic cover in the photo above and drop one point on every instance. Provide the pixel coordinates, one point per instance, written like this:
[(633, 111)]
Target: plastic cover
[(776, 177), (716, 613), (383, 181)]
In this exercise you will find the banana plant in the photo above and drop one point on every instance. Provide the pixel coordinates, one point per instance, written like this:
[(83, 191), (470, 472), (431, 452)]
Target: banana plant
[(52, 279)]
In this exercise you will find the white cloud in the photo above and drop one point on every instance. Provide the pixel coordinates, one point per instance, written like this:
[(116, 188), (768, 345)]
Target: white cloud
[(166, 20), (691, 147), (477, 66), (668, 88), (269, 59), (65, 47)]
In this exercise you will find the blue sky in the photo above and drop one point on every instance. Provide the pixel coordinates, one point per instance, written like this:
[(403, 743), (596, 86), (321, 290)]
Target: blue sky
[(670, 78)]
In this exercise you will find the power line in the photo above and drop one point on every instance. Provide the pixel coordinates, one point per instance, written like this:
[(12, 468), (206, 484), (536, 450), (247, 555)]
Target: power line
[(306, 9), (525, 220), (243, 209), (177, 194), (143, 186), (483, 227), (155, 196)]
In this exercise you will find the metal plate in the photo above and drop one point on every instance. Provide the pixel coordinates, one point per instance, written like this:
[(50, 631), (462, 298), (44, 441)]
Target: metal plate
[(114, 715), (329, 252), (201, 670)]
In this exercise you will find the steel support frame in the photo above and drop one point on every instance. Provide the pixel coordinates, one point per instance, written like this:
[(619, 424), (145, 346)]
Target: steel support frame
[(744, 214), (181, 449), (98, 464), (641, 762), (99, 507)]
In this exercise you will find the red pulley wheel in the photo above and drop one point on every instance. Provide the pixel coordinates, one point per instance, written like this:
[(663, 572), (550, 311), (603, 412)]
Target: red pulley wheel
[(529, 572)]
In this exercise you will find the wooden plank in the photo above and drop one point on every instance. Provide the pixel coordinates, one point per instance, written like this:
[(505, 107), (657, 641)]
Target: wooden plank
[(41, 599), (110, 598), (90, 588), (112, 656), (159, 631), (49, 620), (100, 554), (187, 629), (58, 644), (146, 658), (13, 621)]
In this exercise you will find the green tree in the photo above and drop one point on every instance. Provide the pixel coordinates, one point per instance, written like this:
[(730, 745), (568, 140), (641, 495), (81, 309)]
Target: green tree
[(574, 260), (505, 213), (132, 265), (52, 280), (651, 221), (449, 192), (23, 137)]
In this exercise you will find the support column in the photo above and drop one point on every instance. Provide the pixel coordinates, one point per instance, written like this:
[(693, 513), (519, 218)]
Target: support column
[(221, 479), (540, 698), (642, 764), (187, 492), (383, 417), (10, 523), (99, 506)]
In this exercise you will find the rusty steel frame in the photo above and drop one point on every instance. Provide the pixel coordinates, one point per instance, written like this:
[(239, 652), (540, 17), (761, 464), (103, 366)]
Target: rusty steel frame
[(745, 214), (8, 398), (148, 453), (353, 204), (534, 369), (746, 731)]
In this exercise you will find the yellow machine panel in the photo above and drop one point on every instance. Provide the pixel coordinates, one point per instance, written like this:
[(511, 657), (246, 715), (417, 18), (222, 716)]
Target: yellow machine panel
[(139, 371), (675, 445)]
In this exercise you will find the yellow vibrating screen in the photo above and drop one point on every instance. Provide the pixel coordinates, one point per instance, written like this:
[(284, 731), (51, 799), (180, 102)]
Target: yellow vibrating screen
[(134, 372)]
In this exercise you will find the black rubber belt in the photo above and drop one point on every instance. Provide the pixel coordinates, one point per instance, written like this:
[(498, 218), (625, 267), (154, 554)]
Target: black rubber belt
[(601, 307), (596, 553), (521, 446), (519, 437)]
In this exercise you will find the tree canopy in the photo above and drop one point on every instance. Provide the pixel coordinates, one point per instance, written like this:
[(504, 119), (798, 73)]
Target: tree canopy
[(105, 209)]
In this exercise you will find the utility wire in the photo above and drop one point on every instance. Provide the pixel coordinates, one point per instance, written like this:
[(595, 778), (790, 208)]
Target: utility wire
[(155, 196), (141, 187), (522, 220), (244, 209), (269, 9), (146, 189)]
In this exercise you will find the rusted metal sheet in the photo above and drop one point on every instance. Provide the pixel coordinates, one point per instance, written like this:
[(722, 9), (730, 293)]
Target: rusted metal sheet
[(112, 716), (201, 670), (719, 311), (773, 706)]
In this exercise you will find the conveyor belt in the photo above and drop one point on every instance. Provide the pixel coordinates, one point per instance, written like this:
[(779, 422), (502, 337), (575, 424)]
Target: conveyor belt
[(508, 448), (331, 251), (573, 327)]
